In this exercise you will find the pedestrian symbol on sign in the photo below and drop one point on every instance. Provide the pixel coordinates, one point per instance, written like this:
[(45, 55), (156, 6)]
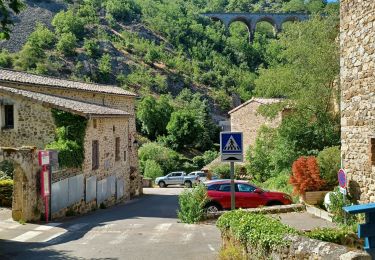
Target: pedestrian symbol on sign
[(231, 145)]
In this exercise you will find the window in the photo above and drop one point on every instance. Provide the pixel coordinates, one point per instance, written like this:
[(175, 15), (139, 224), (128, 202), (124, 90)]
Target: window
[(176, 174), (117, 149), (213, 187), (372, 151), (8, 117), (124, 156), (245, 188), (224, 187), (94, 123), (95, 154)]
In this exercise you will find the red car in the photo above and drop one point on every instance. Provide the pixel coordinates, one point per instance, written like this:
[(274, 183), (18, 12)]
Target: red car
[(247, 196)]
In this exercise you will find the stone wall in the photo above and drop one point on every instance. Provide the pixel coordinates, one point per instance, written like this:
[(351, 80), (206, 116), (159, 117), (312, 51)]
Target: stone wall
[(27, 203), (357, 40), (248, 121), (33, 124), (125, 103), (297, 248), (106, 131)]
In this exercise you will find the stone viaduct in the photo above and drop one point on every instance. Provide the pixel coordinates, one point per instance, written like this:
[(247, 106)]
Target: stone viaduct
[(251, 19)]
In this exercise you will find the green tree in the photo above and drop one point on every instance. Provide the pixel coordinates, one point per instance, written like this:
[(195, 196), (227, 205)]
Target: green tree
[(183, 128), (125, 10), (154, 115), (67, 43), (152, 170), (68, 22), (105, 67), (6, 9)]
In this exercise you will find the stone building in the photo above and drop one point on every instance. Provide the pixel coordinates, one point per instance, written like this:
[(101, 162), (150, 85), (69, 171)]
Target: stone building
[(245, 118), (357, 41), (110, 166)]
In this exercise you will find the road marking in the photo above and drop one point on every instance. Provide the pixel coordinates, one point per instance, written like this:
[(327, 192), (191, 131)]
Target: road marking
[(203, 234), (120, 238), (211, 247), (47, 227), (161, 228), (186, 237), (14, 226), (77, 227), (53, 236), (88, 237), (190, 226), (26, 236), (104, 227), (9, 220)]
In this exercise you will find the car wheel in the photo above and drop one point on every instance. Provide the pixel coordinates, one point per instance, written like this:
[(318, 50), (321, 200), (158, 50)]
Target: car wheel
[(188, 184), (162, 184), (212, 208)]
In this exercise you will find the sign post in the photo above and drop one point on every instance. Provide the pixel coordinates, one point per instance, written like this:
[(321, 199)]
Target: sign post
[(44, 161), (341, 175), (231, 148)]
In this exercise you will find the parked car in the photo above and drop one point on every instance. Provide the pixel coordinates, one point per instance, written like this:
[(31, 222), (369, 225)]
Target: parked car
[(177, 178), (247, 196), (202, 175)]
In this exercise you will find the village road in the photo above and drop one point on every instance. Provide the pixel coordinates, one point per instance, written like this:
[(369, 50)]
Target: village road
[(144, 228)]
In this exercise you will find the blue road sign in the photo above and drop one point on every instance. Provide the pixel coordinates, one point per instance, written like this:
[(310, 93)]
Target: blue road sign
[(231, 146), (342, 178)]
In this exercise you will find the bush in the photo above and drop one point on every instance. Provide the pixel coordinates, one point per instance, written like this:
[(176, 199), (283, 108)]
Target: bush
[(342, 236), (279, 183), (68, 22), (6, 60), (258, 230), (152, 170), (192, 203), (124, 10), (7, 169), (67, 43), (168, 159), (329, 161), (105, 67), (306, 175), (6, 192), (336, 205), (223, 170), (91, 47)]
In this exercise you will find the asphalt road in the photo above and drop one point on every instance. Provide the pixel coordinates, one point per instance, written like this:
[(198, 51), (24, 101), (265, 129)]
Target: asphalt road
[(144, 228)]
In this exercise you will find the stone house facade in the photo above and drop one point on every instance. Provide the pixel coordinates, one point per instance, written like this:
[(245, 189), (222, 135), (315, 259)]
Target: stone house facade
[(245, 118), (110, 150), (357, 40)]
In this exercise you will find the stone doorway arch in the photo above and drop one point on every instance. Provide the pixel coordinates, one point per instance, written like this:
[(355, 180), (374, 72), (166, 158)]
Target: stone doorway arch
[(26, 203)]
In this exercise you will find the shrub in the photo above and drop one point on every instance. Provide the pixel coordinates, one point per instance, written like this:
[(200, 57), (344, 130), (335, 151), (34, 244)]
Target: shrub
[(7, 169), (258, 230), (223, 170), (336, 205), (91, 47), (279, 183), (192, 203), (168, 159), (152, 170), (125, 10), (68, 22), (329, 161), (342, 236), (67, 43), (6, 60), (6, 192), (105, 67), (306, 175)]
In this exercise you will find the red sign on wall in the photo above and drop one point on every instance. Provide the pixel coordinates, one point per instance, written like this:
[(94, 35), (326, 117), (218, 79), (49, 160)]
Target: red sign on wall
[(43, 157)]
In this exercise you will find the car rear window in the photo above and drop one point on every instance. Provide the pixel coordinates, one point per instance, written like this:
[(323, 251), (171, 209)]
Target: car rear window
[(213, 187)]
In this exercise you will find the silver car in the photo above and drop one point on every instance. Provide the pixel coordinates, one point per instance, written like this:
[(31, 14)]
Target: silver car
[(177, 178)]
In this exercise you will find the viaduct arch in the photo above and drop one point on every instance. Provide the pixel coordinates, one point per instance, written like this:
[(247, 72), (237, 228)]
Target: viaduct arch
[(251, 19)]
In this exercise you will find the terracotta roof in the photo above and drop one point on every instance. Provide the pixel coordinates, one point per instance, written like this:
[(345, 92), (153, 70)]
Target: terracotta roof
[(28, 78), (263, 101), (65, 104)]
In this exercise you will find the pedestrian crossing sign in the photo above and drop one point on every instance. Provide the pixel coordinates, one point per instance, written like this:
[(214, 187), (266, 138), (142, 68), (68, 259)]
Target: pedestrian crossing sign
[(231, 146)]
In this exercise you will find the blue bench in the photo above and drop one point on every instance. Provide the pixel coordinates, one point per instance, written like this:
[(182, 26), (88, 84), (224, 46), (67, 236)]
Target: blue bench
[(367, 230)]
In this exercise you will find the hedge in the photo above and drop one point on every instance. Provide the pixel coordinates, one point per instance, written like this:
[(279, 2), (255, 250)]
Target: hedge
[(6, 192)]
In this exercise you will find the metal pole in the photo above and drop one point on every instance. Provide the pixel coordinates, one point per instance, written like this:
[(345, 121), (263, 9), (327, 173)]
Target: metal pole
[(232, 193)]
